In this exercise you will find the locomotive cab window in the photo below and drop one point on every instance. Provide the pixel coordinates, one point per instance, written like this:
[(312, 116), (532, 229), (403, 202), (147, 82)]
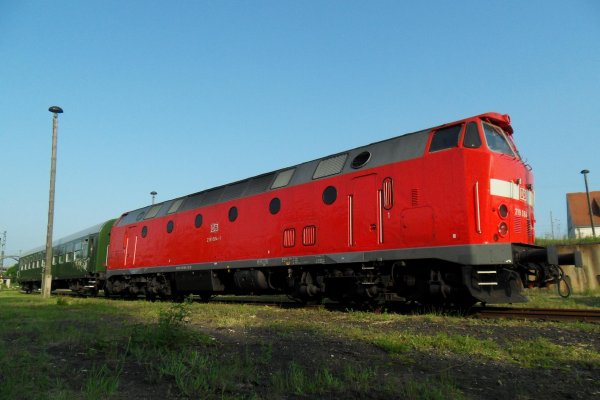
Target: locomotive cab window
[(445, 138), (472, 139), (496, 140)]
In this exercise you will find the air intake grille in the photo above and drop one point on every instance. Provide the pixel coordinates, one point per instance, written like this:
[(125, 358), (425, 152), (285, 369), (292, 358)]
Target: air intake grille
[(309, 235), (330, 166), (415, 194), (518, 222), (289, 237)]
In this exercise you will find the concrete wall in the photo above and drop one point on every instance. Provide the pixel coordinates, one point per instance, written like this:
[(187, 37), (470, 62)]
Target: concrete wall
[(588, 277), (582, 232)]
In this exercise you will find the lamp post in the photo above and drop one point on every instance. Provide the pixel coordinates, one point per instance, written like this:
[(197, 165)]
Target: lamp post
[(47, 278), (587, 193), (153, 194), (2, 246)]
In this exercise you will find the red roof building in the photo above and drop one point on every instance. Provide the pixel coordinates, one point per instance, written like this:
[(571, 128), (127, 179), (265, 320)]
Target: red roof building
[(578, 215)]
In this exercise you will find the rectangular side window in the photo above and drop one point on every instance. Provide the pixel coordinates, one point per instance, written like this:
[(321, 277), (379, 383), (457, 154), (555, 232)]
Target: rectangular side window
[(445, 138)]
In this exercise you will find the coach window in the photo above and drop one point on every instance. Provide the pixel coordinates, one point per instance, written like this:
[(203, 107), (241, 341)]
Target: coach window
[(77, 251), (68, 250), (85, 248), (275, 206), (472, 139), (144, 231), (170, 226), (445, 138)]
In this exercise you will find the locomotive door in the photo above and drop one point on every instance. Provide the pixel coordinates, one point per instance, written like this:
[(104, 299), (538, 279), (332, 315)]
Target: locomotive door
[(363, 203), (129, 246)]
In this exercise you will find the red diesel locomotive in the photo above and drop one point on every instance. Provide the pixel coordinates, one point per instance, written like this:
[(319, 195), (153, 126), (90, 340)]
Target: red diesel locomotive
[(443, 215)]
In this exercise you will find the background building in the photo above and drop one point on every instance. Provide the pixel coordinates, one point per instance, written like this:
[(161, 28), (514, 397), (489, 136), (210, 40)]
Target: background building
[(578, 216)]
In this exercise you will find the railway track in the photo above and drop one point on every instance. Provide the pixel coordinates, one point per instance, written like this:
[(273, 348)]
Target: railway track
[(488, 312), (545, 314), (542, 314)]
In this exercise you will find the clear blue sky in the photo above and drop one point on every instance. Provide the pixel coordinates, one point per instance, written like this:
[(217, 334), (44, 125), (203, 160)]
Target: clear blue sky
[(182, 96)]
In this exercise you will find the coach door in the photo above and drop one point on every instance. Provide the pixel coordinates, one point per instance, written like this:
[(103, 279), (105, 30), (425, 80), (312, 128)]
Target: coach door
[(364, 228)]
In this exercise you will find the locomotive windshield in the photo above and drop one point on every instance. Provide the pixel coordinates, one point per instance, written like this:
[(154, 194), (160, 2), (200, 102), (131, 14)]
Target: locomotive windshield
[(497, 141)]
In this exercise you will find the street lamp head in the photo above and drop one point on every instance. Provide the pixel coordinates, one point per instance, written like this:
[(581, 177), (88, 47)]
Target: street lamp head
[(55, 110), (585, 171), (153, 193)]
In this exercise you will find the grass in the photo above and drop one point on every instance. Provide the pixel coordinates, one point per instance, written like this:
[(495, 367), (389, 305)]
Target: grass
[(566, 241), (548, 298), (295, 379), (534, 353), (86, 348)]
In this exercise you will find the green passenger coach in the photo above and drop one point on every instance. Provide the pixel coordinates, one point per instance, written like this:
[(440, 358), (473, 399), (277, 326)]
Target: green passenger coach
[(78, 261)]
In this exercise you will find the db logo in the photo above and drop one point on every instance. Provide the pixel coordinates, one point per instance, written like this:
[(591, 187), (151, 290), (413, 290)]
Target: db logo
[(523, 194)]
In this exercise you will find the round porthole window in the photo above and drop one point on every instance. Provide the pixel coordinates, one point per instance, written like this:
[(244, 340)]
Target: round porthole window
[(170, 226), (275, 206), (360, 160), (198, 221), (233, 214), (144, 231), (329, 195)]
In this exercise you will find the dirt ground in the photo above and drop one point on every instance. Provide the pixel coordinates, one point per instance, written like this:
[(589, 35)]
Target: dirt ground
[(475, 378)]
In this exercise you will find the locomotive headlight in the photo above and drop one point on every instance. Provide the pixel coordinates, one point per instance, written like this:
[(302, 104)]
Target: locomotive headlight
[(502, 229), (503, 211)]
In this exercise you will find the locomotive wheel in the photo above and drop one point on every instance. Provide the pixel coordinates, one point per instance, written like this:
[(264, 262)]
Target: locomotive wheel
[(205, 297)]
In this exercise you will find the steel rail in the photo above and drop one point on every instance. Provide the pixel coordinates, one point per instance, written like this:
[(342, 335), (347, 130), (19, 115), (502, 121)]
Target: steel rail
[(547, 314)]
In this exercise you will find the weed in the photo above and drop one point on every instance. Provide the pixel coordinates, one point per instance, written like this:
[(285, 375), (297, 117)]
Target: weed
[(62, 301), (171, 332), (297, 381), (198, 374), (101, 383)]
